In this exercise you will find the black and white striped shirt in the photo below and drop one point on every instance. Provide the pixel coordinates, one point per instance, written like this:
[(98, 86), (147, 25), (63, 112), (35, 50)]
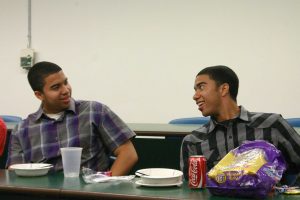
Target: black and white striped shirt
[(214, 140)]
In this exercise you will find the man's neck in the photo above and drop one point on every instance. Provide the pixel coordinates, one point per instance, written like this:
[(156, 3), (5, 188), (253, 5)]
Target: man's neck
[(230, 111)]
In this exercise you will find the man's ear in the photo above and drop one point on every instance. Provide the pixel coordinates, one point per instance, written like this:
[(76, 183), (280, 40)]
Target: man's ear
[(224, 89), (39, 95)]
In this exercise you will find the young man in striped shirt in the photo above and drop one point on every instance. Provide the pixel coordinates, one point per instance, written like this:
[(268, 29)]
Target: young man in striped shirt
[(216, 90), (62, 121)]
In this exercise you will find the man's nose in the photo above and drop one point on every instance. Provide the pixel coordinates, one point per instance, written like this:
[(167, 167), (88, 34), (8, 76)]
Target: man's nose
[(65, 89), (196, 95)]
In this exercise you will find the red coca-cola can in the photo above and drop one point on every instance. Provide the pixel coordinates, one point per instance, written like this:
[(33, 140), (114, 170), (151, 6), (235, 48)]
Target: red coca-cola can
[(197, 172)]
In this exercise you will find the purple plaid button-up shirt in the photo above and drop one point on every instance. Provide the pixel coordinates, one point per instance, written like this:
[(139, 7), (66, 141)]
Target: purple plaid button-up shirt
[(87, 124)]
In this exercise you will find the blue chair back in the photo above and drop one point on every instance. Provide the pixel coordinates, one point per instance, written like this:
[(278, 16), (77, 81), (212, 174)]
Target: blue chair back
[(10, 118), (190, 120), (295, 122)]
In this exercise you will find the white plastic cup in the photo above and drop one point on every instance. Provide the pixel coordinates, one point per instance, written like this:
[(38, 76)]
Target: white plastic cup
[(71, 159)]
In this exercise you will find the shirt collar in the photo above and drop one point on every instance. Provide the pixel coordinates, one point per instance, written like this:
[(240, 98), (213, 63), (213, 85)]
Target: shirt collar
[(244, 114), (211, 125), (40, 113)]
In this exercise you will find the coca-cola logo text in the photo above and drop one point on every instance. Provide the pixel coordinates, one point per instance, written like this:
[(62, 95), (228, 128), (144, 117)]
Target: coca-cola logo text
[(194, 173)]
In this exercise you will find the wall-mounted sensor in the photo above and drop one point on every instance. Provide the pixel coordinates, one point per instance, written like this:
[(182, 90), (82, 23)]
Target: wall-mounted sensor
[(27, 58)]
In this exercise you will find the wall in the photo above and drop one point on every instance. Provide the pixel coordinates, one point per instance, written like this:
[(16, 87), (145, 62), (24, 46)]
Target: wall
[(140, 57)]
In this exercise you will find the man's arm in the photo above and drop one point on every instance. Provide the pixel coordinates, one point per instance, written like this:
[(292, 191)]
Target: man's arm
[(126, 159), (184, 156)]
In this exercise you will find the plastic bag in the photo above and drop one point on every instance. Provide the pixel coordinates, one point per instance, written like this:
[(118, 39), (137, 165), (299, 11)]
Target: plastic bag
[(250, 170), (90, 176)]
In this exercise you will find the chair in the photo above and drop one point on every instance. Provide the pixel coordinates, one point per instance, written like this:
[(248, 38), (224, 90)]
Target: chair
[(295, 122), (190, 120), (10, 118)]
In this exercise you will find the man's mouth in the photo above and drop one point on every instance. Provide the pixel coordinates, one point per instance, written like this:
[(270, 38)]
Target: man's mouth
[(200, 105), (66, 99)]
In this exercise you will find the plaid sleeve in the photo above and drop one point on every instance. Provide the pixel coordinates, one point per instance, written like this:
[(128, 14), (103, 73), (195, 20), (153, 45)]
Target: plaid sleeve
[(15, 152), (113, 130)]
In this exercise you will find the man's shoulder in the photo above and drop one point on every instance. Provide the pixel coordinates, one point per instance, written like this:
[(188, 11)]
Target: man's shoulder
[(30, 118), (265, 114), (263, 120), (88, 104), (85, 102), (25, 123), (198, 135)]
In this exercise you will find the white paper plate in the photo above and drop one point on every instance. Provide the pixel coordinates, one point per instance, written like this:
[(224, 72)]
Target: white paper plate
[(160, 176), (141, 183), (31, 169)]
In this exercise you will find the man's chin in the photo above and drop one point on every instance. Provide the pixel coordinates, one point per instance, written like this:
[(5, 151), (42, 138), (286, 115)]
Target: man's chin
[(65, 106), (205, 114)]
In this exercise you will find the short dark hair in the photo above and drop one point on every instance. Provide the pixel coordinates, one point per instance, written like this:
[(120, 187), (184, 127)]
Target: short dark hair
[(223, 74), (38, 72)]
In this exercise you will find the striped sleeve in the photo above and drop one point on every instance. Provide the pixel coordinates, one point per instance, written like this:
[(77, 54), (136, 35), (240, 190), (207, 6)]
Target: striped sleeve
[(288, 142)]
